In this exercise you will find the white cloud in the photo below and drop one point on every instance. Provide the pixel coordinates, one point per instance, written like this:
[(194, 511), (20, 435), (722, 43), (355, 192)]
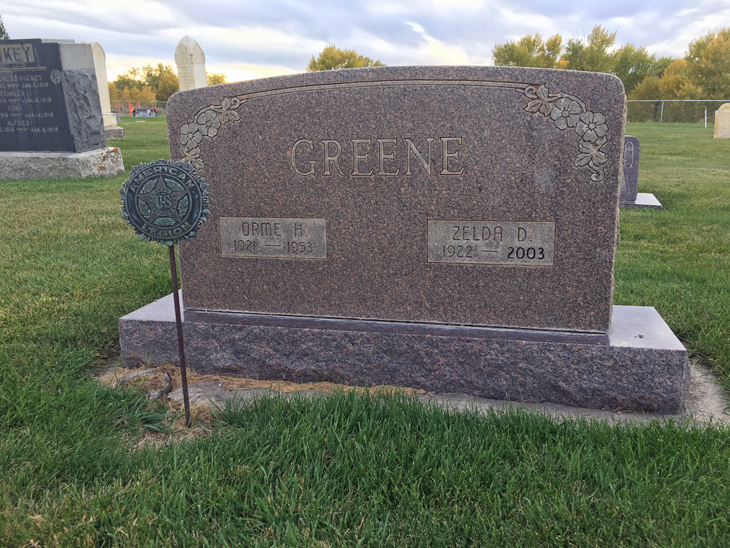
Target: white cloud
[(246, 38)]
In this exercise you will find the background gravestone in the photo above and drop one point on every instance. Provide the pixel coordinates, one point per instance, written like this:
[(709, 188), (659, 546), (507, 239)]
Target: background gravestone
[(50, 113), (190, 61), (111, 129), (51, 97), (630, 177), (722, 122)]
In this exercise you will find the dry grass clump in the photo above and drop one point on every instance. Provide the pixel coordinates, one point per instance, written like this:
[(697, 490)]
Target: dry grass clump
[(112, 376)]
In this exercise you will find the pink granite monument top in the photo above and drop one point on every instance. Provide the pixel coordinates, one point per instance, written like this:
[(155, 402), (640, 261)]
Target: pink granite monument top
[(452, 195)]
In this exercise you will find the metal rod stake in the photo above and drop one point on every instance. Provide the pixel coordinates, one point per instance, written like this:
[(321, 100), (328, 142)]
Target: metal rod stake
[(180, 343)]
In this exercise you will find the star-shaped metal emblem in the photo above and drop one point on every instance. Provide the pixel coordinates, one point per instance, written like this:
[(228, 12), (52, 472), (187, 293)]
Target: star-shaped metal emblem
[(162, 201), (165, 201)]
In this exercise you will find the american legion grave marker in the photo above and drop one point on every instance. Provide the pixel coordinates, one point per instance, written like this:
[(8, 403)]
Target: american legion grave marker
[(50, 113), (444, 228)]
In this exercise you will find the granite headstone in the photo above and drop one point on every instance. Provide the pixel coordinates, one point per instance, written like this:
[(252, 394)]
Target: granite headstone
[(50, 112), (722, 122), (475, 196), (630, 177), (444, 228), (50, 99)]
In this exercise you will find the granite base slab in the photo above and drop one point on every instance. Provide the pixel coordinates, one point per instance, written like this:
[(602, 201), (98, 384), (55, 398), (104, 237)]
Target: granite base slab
[(102, 162), (639, 365), (114, 132), (643, 200)]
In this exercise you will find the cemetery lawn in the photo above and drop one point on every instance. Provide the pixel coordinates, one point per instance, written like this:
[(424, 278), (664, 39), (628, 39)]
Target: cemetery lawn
[(348, 470)]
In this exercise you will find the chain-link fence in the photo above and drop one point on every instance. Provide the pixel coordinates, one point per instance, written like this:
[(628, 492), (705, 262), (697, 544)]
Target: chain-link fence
[(674, 110), (645, 110), (126, 107)]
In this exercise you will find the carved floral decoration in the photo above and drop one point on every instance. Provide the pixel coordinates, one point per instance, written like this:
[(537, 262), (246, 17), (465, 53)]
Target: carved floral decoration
[(206, 123), (568, 112)]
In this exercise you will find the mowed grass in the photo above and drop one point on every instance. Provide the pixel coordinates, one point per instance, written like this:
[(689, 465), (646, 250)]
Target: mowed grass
[(677, 259), (349, 470)]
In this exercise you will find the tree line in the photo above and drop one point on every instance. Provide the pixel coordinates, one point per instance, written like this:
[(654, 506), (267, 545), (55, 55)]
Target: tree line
[(152, 83), (704, 72)]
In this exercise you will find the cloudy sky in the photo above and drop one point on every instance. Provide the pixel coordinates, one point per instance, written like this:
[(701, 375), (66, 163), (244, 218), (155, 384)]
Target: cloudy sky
[(252, 39)]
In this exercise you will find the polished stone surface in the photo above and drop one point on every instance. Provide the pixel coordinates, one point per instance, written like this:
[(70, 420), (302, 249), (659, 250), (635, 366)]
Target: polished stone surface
[(630, 176), (51, 98), (378, 154), (638, 365)]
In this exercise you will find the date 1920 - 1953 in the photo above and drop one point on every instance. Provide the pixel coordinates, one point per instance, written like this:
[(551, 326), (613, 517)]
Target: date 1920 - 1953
[(254, 246), (271, 238)]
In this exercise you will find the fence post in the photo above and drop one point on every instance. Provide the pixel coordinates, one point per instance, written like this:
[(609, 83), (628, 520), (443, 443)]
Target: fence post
[(705, 116), (661, 115)]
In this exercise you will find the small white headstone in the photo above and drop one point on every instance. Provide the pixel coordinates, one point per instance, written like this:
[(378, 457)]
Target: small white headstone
[(722, 122), (190, 61), (110, 119)]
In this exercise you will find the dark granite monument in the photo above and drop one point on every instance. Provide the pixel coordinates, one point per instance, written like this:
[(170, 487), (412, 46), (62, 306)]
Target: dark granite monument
[(451, 229), (49, 103), (630, 177), (630, 197)]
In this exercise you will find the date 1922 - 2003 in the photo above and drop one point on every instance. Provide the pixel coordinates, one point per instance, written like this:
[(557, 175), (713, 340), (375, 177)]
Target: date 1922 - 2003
[(473, 252)]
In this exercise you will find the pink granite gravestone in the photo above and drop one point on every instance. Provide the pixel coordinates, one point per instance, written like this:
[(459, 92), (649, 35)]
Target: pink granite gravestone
[(476, 196), (447, 228)]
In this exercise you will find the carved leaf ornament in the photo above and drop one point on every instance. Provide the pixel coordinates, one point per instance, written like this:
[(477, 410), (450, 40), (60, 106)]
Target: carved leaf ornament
[(565, 111)]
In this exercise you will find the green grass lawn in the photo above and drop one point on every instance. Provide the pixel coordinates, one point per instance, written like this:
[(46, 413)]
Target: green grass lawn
[(350, 470)]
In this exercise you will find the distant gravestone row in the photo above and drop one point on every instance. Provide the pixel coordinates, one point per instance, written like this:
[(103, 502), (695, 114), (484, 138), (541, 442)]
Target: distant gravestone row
[(451, 229), (51, 122)]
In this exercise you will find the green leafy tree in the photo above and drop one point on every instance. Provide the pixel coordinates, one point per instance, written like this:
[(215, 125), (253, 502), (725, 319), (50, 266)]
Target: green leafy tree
[(708, 64), (128, 80), (661, 64), (674, 83), (146, 84), (167, 86), (152, 76), (591, 54), (333, 58), (633, 65), (529, 51), (3, 32), (215, 78)]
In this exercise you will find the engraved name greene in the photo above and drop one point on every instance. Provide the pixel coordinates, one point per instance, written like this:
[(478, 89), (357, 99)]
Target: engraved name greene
[(371, 157)]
